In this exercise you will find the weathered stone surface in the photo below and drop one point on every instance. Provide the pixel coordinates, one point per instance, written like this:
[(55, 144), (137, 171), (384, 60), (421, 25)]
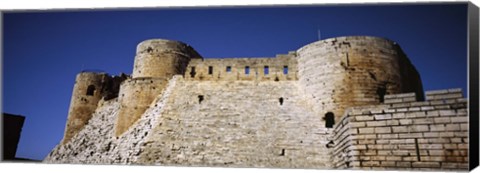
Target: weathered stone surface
[(421, 138), (97, 144), (89, 89), (180, 109), (218, 132)]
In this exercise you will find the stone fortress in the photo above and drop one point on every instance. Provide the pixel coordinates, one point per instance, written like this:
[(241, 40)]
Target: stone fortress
[(351, 102)]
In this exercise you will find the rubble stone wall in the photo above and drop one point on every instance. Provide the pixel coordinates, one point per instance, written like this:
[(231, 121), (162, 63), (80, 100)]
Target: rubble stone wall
[(96, 143)]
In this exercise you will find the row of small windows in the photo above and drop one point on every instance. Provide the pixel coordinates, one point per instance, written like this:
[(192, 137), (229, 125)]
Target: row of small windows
[(229, 69)]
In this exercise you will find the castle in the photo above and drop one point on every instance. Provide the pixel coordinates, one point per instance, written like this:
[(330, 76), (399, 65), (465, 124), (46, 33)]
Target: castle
[(351, 102)]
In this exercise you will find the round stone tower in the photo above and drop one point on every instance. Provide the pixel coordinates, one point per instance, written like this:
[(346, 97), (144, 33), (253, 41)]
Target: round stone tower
[(87, 91), (162, 58), (342, 72), (156, 62)]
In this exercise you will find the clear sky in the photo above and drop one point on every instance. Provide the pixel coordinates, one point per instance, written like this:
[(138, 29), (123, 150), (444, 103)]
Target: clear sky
[(43, 51)]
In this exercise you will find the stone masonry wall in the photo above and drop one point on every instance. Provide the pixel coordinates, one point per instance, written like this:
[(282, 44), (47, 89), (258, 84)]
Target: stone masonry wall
[(342, 72), (97, 143), (162, 58), (135, 97), (238, 124), (279, 68), (86, 94), (405, 133), (180, 109)]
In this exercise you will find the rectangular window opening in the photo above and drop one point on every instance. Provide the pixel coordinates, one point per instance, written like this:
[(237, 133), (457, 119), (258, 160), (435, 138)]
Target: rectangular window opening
[(285, 69), (265, 70), (210, 70), (229, 69), (192, 72), (247, 70)]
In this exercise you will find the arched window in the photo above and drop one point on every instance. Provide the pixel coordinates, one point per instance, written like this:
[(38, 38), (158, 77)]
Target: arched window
[(329, 119), (90, 90)]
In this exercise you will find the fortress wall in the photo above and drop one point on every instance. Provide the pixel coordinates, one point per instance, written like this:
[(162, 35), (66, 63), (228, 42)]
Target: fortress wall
[(405, 133), (231, 119), (227, 129), (351, 71), (198, 69), (96, 143), (156, 62), (135, 97), (162, 58), (86, 94), (92, 142)]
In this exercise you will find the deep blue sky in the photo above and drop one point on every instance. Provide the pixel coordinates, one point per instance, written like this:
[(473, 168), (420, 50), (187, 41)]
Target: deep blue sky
[(43, 51)]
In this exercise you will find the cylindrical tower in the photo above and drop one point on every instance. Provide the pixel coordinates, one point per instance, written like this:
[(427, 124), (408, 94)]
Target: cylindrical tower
[(87, 91), (162, 58), (342, 72), (157, 60), (135, 97)]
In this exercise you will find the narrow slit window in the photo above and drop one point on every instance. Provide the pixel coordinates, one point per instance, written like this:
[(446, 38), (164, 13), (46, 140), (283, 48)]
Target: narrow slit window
[(200, 99), (285, 69), (381, 91), (329, 120), (265, 70), (229, 68), (280, 100), (90, 90), (210, 70), (247, 70), (192, 72)]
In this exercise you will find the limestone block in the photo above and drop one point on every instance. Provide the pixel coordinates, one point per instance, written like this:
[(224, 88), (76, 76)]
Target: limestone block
[(459, 119), (426, 164), (452, 127), (379, 130), (366, 130), (403, 164), (383, 117), (442, 120), (376, 123), (399, 129)]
